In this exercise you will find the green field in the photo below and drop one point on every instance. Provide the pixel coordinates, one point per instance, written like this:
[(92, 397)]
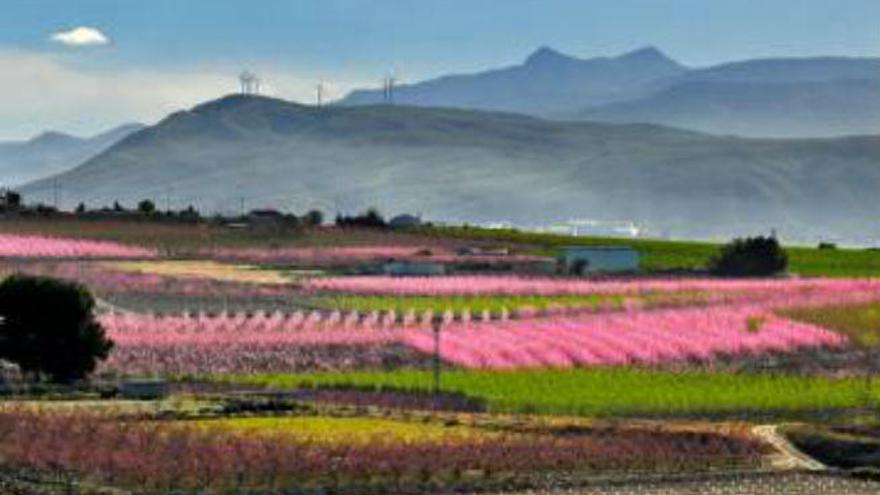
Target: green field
[(497, 304), (606, 392), (458, 304), (859, 322), (659, 255)]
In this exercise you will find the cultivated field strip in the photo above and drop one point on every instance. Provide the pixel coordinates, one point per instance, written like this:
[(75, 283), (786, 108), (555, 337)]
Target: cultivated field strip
[(33, 246)]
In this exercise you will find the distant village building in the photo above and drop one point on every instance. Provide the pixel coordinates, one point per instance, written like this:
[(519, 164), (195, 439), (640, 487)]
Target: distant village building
[(405, 221), (265, 218), (413, 269), (587, 260)]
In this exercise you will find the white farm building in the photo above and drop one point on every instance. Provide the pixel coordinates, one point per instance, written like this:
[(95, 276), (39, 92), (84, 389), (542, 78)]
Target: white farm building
[(587, 260)]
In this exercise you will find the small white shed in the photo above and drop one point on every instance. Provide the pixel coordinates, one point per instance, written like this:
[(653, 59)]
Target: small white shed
[(586, 260)]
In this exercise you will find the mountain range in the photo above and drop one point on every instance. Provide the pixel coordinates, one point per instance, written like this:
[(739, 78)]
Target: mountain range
[(479, 166), (53, 152), (548, 83), (795, 97)]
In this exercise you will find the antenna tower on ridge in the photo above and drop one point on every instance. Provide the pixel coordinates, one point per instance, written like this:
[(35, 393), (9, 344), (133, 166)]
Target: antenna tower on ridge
[(250, 83)]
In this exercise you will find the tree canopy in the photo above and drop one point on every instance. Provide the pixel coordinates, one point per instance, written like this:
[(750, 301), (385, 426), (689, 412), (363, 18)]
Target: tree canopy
[(750, 257), (49, 328)]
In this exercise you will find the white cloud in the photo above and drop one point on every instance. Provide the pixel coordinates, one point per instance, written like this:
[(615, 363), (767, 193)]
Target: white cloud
[(81, 36), (40, 91)]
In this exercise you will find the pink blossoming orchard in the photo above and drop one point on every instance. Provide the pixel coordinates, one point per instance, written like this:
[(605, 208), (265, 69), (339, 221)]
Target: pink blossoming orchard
[(18, 246), (698, 332), (286, 354)]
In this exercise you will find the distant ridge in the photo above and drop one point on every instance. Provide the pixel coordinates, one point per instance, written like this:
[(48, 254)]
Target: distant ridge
[(476, 166), (774, 97), (52, 152), (547, 82)]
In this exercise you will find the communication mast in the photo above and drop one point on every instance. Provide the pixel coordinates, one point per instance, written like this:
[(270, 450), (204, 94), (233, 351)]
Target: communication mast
[(250, 83), (319, 96), (388, 84)]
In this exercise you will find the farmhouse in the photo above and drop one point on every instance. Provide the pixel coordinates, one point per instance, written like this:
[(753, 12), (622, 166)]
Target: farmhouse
[(405, 221), (265, 219), (586, 260)]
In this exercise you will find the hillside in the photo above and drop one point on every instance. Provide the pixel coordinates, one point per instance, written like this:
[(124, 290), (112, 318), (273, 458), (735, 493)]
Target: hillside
[(470, 166), (797, 97), (53, 152), (756, 109)]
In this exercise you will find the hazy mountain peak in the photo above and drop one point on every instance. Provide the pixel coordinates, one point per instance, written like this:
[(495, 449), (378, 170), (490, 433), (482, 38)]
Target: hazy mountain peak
[(545, 55), (648, 54), (52, 152), (52, 138)]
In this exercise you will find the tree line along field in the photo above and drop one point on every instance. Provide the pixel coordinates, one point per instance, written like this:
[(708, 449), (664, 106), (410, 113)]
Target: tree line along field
[(271, 351)]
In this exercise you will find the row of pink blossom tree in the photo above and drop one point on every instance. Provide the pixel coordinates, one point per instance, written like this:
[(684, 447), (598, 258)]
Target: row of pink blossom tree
[(346, 255), (473, 285), (634, 338), (297, 341), (32, 246)]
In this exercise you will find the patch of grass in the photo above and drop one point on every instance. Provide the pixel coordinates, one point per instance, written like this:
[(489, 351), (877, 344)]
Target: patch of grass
[(859, 322), (458, 304), (224, 272), (497, 304), (604, 392), (341, 430)]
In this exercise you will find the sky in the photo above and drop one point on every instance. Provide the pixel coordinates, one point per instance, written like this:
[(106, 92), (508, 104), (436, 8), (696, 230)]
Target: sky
[(83, 66)]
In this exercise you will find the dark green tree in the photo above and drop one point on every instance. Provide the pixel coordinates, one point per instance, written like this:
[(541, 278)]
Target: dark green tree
[(147, 207), (313, 218), (49, 328), (12, 200), (750, 257), (371, 219)]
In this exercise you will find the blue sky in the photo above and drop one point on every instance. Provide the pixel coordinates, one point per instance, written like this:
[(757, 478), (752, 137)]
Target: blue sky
[(167, 54)]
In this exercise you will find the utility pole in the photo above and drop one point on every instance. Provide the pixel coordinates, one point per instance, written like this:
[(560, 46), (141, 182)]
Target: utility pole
[(55, 192), (391, 82)]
